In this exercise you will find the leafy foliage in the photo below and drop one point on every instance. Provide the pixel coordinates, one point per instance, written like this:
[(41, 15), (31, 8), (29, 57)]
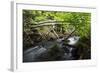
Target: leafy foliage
[(80, 20)]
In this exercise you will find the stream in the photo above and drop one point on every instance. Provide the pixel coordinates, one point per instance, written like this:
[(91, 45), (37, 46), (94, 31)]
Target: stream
[(34, 54)]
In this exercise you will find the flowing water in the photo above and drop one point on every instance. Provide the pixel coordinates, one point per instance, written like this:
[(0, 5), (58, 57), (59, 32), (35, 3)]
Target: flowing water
[(42, 48)]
